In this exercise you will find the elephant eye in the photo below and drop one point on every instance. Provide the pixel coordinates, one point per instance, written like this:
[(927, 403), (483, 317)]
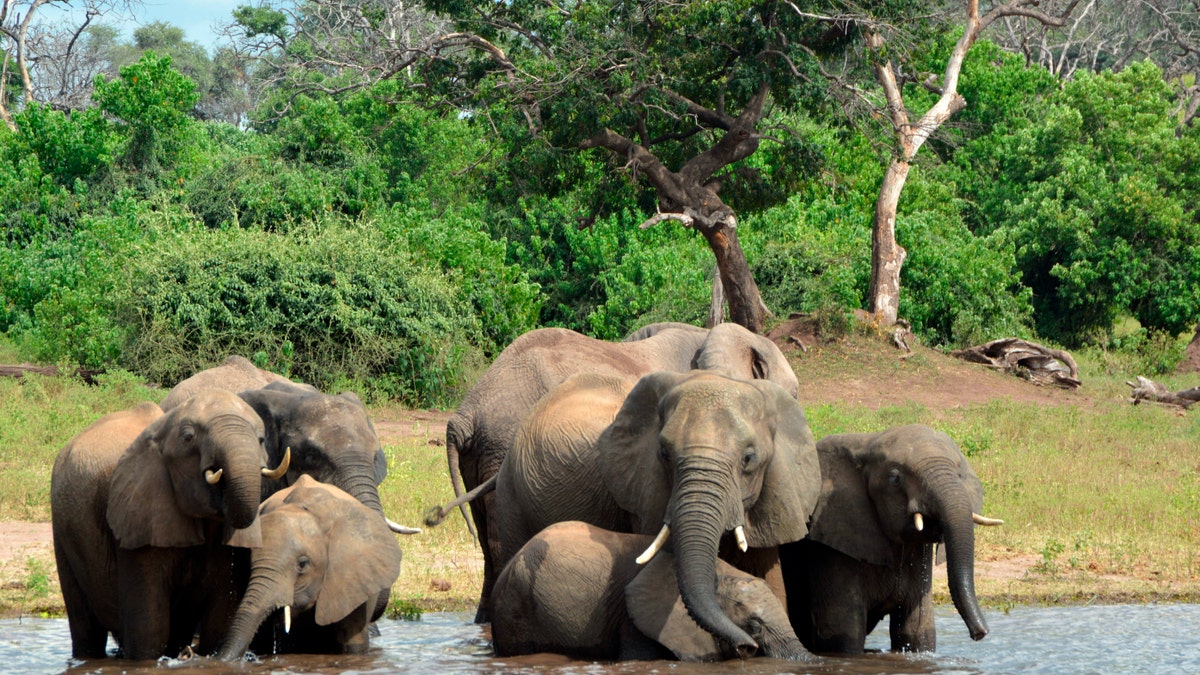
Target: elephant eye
[(749, 458), (894, 477), (303, 563), (187, 433)]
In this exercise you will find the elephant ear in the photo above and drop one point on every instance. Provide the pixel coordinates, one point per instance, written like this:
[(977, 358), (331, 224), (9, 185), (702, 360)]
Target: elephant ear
[(656, 609), (142, 505), (791, 480), (844, 519), (628, 448), (273, 403), (364, 558), (734, 351)]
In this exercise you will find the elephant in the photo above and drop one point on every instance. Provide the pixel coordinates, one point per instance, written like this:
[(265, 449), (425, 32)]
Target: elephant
[(331, 438), (236, 374), (692, 456), (480, 433), (141, 505), (325, 555), (886, 499), (578, 590)]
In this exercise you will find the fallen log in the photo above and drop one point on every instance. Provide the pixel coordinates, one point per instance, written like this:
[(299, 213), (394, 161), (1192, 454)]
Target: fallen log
[(1145, 389), (1032, 361), (88, 375)]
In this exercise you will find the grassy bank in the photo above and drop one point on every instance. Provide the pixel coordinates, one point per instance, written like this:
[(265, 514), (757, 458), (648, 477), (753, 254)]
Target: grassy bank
[(1101, 498)]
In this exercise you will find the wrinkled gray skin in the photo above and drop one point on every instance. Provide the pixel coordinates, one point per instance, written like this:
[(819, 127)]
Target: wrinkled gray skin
[(480, 432), (331, 439), (576, 589), (698, 450), (236, 374), (326, 556), (139, 532), (865, 559)]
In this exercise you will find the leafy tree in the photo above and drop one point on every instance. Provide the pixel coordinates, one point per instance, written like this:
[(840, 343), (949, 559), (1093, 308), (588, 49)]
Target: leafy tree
[(151, 99)]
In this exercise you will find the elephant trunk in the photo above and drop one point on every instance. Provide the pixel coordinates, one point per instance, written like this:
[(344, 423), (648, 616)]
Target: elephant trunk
[(359, 482), (264, 594), (240, 466), (702, 509), (954, 508)]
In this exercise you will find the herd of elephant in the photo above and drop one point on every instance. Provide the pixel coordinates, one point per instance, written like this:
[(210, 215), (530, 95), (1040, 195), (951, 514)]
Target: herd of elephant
[(660, 497)]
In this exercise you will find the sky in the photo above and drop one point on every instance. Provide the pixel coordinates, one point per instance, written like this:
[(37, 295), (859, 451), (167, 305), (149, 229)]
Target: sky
[(195, 17)]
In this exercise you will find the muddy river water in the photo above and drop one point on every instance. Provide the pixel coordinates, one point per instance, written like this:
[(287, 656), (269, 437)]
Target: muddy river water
[(1069, 640)]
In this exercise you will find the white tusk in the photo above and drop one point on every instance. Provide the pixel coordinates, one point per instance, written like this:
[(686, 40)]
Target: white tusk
[(287, 618), (401, 529), (655, 545), (984, 520), (918, 521), (277, 472), (213, 477), (740, 533)]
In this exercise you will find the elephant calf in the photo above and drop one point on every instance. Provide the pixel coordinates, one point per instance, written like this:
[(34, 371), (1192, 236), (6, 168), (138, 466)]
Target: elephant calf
[(324, 554), (578, 590)]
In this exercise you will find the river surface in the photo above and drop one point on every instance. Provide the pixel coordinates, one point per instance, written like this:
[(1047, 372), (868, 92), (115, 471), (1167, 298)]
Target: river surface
[(1074, 640)]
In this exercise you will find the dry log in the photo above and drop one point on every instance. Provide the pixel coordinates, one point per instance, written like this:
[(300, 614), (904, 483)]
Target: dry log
[(88, 375), (1034, 362), (1145, 389)]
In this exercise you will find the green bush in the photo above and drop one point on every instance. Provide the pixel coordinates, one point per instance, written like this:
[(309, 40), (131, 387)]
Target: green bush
[(330, 302)]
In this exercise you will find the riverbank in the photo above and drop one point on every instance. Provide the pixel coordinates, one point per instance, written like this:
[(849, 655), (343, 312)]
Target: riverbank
[(1101, 498)]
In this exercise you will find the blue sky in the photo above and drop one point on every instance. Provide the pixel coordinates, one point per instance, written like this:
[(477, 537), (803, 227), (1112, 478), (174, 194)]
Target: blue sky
[(195, 17)]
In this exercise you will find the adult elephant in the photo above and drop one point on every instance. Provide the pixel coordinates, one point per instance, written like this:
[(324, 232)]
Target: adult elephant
[(578, 590), (141, 503), (325, 556), (236, 374), (480, 433), (886, 500), (694, 456)]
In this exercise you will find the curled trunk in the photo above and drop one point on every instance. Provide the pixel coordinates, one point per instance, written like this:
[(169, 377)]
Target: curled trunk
[(241, 482), (698, 520)]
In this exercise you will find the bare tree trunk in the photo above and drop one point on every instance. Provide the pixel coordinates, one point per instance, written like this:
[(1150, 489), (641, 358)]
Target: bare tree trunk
[(887, 256), (737, 283)]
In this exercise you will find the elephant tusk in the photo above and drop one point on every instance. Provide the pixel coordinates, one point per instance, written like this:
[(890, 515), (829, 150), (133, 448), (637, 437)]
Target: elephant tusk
[(984, 520), (287, 618), (212, 477), (655, 545), (918, 521), (277, 472), (401, 529), (740, 533)]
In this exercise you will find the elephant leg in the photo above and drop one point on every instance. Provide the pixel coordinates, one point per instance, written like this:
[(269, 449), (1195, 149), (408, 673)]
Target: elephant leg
[(353, 634), (144, 586), (911, 627), (89, 637), (483, 511), (220, 594)]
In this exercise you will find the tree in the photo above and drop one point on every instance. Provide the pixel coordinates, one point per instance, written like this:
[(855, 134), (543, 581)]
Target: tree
[(908, 136), (60, 46)]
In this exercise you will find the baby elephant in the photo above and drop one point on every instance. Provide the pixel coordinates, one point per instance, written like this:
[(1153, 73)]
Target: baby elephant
[(578, 590), (324, 555)]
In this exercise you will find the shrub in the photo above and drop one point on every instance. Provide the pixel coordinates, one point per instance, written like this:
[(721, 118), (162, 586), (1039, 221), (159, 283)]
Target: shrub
[(334, 302)]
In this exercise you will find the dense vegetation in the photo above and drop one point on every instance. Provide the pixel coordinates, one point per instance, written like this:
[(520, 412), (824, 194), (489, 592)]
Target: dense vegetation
[(383, 240)]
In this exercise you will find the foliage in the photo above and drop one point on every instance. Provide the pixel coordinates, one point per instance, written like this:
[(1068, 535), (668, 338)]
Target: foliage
[(151, 99), (350, 303), (1097, 193)]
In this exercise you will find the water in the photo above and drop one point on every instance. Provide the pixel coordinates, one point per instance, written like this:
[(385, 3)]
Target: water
[(1074, 640)]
